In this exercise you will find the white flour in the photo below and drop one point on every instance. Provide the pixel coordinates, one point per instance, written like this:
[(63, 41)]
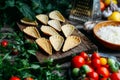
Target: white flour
[(110, 34)]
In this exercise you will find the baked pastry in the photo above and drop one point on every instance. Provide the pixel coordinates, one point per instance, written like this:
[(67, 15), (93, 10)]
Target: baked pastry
[(71, 42), (32, 31), (55, 24), (45, 45), (56, 41), (42, 18), (56, 15), (29, 22), (48, 30), (67, 29)]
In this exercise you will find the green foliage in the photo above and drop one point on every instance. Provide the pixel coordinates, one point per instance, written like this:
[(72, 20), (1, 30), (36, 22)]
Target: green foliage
[(24, 64), (13, 10)]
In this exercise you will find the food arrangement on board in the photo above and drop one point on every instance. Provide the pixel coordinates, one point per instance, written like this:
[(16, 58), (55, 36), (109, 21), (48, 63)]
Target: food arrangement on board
[(54, 33)]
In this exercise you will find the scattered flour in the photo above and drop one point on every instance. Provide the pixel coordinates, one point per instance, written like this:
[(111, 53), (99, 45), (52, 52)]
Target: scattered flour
[(110, 34)]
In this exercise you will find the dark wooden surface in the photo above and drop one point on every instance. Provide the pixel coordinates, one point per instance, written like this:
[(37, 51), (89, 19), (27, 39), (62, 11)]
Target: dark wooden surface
[(62, 57)]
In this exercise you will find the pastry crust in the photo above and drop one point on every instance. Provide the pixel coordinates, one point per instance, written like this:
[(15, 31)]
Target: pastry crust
[(42, 18), (67, 29), (71, 42), (29, 22), (56, 41), (48, 30), (56, 15), (45, 45), (55, 24), (32, 31)]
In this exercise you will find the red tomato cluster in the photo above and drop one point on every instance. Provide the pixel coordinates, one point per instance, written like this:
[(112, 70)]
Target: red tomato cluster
[(94, 66), (17, 78)]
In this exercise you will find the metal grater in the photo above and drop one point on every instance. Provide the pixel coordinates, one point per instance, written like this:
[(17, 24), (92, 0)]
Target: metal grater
[(85, 10)]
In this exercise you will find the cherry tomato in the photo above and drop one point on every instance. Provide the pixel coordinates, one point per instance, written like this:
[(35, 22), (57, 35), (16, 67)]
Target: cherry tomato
[(14, 78), (103, 78), (95, 55), (96, 63), (84, 55), (78, 61), (103, 71), (75, 71), (86, 78), (4, 43), (107, 66), (14, 51), (102, 6), (28, 78), (93, 75), (115, 76), (103, 61), (88, 62)]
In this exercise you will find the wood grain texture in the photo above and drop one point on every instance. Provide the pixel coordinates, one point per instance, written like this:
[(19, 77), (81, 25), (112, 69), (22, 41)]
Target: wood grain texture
[(62, 57)]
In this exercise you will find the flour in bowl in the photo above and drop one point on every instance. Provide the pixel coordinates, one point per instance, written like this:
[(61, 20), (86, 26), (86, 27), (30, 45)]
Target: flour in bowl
[(110, 34)]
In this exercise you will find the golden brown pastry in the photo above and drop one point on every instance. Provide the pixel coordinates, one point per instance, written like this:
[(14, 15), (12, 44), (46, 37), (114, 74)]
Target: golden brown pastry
[(56, 41), (32, 31), (42, 18), (29, 22), (55, 24), (71, 42), (67, 29), (48, 30), (45, 45), (56, 15)]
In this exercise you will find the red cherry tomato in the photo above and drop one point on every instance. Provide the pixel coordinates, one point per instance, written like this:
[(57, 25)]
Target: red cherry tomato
[(14, 51), (103, 71), (93, 75), (4, 43), (107, 66), (14, 78), (28, 78), (86, 78), (95, 55), (88, 62), (84, 55), (96, 63), (78, 61), (103, 78), (115, 76)]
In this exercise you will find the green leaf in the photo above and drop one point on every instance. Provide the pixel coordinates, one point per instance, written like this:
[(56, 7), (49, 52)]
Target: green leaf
[(33, 52), (6, 56), (10, 3), (25, 10), (49, 7), (35, 66)]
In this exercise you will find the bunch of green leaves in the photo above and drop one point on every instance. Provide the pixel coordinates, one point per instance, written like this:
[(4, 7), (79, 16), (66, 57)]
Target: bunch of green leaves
[(24, 64), (13, 10)]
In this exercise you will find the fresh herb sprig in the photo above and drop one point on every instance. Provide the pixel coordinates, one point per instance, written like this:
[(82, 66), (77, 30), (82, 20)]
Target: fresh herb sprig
[(24, 63)]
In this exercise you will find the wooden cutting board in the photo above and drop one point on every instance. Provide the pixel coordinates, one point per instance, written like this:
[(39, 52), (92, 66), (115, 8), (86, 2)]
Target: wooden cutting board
[(62, 57)]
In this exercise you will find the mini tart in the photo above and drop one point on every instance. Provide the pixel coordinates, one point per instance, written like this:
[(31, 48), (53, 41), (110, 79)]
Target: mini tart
[(45, 45), (29, 22), (55, 24), (67, 29), (32, 31), (48, 30), (42, 18), (56, 41), (71, 42), (56, 15)]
